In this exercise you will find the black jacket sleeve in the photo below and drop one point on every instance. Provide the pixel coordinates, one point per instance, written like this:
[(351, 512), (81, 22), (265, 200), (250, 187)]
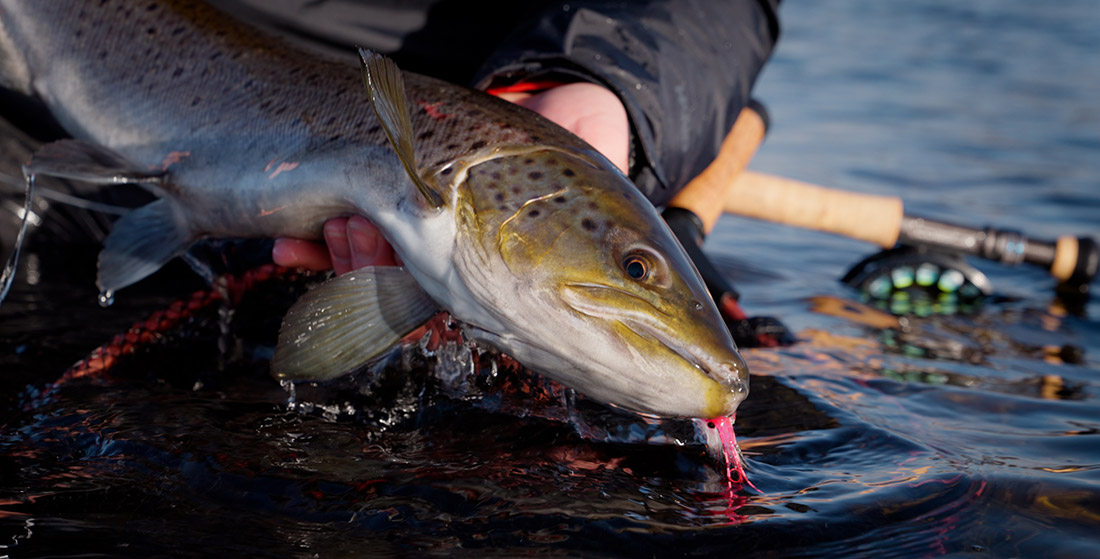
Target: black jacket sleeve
[(683, 68)]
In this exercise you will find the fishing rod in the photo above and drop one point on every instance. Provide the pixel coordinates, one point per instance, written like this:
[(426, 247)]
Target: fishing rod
[(881, 220), (914, 243)]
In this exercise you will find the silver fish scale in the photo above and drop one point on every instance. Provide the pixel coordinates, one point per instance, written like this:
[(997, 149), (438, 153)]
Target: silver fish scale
[(192, 71)]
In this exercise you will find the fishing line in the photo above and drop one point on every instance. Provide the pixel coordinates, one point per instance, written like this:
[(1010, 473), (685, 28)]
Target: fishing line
[(8, 276)]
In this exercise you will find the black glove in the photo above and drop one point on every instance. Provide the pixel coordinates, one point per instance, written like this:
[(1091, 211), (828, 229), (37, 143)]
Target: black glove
[(763, 331)]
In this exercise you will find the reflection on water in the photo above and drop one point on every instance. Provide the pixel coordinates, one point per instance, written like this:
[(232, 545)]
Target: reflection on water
[(874, 436)]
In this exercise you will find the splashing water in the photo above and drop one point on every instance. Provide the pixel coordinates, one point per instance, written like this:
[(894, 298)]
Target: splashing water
[(8, 276)]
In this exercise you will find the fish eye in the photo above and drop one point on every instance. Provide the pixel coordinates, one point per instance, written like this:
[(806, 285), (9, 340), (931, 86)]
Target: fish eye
[(637, 267)]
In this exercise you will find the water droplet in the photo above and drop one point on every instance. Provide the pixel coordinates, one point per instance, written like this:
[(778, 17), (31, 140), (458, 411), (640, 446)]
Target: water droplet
[(106, 298)]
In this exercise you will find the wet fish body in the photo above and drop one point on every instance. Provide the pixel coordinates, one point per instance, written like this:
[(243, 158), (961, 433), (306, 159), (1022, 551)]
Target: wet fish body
[(515, 226)]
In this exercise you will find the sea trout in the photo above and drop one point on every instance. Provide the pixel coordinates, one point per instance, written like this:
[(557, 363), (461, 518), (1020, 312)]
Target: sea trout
[(516, 227)]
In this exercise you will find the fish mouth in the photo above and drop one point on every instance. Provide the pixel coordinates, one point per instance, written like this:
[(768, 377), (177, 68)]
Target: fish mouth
[(731, 373)]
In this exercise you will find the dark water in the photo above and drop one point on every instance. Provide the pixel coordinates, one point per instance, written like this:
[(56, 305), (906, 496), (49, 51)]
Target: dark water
[(959, 435)]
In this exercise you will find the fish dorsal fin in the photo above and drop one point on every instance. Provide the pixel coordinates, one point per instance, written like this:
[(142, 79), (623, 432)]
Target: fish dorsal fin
[(386, 91), (348, 321)]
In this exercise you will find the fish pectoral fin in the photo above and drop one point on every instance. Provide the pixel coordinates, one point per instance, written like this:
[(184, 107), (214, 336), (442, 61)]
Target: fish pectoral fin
[(141, 242), (386, 91), (347, 321), (88, 162)]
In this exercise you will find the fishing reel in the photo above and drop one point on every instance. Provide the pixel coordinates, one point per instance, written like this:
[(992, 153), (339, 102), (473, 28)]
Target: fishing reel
[(920, 281)]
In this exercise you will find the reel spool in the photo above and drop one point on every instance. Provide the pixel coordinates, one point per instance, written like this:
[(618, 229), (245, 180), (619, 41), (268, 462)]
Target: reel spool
[(919, 281)]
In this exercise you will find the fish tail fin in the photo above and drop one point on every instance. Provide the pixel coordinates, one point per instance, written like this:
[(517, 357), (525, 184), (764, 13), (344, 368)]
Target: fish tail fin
[(141, 242)]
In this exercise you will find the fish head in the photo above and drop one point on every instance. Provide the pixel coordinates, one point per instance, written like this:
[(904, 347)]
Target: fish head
[(591, 288)]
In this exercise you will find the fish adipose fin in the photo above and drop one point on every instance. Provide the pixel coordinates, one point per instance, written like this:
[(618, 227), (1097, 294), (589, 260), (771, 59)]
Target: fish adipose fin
[(348, 321), (87, 162), (141, 242), (386, 91)]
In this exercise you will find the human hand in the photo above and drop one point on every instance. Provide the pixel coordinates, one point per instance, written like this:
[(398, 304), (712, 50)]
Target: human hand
[(588, 110)]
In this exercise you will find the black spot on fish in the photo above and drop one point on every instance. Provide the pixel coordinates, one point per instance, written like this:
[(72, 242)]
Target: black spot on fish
[(516, 190), (499, 197), (534, 175), (568, 172), (492, 185), (560, 200), (374, 129), (178, 31), (446, 171), (495, 175), (178, 72), (588, 224), (503, 208), (533, 213), (152, 31), (426, 135), (478, 144), (195, 102), (528, 161)]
